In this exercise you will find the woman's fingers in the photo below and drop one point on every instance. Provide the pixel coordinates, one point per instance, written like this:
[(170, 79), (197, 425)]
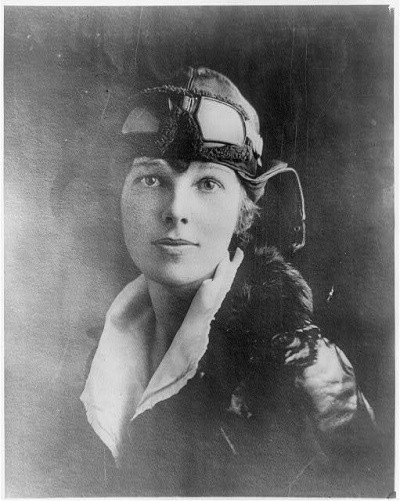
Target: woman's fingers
[(213, 291), (228, 267), (221, 270), (237, 258), (226, 270)]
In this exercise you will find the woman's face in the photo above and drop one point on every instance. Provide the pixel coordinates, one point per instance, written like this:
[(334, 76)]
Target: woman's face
[(178, 225)]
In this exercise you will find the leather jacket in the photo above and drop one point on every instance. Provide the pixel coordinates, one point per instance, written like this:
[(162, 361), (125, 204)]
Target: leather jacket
[(274, 408)]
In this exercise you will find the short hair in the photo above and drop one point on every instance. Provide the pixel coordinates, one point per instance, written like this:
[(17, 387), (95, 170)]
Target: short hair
[(248, 211)]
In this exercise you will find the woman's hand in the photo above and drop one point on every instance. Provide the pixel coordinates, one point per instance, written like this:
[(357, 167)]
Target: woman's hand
[(212, 292), (191, 340)]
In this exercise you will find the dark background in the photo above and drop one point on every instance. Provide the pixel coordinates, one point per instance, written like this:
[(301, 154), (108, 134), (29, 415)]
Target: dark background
[(321, 79)]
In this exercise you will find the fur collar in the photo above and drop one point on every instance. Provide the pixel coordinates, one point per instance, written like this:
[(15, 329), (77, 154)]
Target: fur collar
[(268, 297)]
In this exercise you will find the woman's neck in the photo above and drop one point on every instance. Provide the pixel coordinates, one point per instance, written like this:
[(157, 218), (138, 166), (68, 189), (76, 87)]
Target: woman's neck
[(170, 307)]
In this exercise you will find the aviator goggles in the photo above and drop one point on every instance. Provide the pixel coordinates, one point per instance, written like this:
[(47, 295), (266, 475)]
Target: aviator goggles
[(215, 129)]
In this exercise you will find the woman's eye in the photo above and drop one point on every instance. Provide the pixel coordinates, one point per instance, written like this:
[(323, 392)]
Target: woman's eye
[(150, 181), (208, 184)]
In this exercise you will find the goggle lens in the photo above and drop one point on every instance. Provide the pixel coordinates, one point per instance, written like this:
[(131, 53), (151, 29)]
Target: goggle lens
[(220, 123), (141, 120)]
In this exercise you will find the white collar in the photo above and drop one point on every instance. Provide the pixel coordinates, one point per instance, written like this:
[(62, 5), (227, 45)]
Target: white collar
[(116, 389)]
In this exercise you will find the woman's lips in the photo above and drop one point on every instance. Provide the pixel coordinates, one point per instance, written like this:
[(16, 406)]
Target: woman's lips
[(174, 246), (173, 241)]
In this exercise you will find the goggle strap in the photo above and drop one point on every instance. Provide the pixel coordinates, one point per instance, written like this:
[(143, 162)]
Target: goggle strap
[(256, 140), (173, 90), (188, 104), (282, 168)]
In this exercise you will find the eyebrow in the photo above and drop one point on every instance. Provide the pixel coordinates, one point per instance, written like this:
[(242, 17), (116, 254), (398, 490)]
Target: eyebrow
[(222, 168), (142, 166), (137, 162)]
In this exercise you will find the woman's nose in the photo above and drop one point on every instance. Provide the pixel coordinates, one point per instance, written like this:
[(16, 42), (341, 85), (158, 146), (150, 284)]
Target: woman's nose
[(177, 209)]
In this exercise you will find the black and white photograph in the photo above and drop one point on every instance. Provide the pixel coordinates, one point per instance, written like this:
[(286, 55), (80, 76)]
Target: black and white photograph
[(199, 250)]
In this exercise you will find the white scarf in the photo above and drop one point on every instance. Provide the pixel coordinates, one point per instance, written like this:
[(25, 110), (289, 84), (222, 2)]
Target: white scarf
[(116, 389)]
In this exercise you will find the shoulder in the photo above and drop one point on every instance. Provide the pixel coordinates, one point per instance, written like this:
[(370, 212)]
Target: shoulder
[(269, 299), (268, 296)]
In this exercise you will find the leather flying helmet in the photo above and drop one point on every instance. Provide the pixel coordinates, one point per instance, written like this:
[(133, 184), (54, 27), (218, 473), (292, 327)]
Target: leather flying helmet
[(199, 114)]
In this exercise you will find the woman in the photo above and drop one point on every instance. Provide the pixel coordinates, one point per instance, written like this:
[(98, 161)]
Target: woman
[(210, 377)]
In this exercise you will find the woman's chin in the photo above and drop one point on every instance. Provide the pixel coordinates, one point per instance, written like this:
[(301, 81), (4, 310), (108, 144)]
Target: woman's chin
[(179, 279)]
